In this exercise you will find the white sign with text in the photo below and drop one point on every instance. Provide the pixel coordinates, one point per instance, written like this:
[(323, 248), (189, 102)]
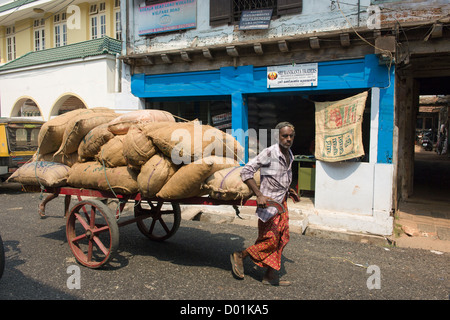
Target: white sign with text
[(299, 75)]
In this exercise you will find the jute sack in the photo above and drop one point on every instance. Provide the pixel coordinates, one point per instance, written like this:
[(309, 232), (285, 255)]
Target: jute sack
[(137, 147), (188, 180), (232, 148), (154, 174), (185, 142), (68, 160), (226, 184), (85, 175), (122, 180), (52, 132), (111, 153), (80, 125), (121, 124), (92, 175), (92, 142), (339, 128), (45, 173), (149, 127)]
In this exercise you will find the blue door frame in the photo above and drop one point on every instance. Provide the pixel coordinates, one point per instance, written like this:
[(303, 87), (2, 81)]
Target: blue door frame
[(237, 83)]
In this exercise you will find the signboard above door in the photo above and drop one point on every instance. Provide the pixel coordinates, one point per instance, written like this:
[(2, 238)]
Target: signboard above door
[(255, 19), (167, 16), (297, 75)]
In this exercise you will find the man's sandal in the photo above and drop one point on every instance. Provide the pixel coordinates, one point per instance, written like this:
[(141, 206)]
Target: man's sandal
[(238, 271)]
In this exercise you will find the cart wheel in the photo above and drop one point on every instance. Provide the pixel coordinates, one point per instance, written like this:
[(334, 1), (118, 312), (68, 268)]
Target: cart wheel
[(158, 223), (92, 233)]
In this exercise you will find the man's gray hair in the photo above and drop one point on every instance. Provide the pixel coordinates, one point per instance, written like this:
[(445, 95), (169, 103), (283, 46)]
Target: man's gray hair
[(284, 124)]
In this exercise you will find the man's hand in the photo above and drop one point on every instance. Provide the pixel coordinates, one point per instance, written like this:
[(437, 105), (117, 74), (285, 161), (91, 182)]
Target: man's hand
[(261, 201)]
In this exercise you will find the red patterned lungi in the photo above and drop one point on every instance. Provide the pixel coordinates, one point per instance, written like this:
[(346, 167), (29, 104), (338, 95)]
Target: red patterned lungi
[(273, 236)]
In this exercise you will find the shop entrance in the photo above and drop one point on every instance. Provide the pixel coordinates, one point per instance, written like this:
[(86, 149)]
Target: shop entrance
[(264, 113), (432, 165)]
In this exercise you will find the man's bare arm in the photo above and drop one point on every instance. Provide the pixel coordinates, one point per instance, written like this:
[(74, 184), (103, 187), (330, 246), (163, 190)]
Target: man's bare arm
[(261, 199)]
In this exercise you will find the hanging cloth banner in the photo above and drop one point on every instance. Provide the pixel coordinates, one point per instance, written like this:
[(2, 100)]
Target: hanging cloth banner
[(338, 128)]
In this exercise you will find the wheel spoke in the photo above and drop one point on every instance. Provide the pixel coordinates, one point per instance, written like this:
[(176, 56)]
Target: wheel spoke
[(152, 226), (90, 250), (101, 245), (96, 231), (92, 222), (79, 238), (164, 225), (82, 221)]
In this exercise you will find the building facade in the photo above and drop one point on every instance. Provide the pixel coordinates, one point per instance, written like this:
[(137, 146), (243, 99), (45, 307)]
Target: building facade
[(57, 56), (212, 60)]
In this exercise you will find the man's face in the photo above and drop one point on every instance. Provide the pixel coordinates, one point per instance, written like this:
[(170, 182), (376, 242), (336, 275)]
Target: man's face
[(286, 137)]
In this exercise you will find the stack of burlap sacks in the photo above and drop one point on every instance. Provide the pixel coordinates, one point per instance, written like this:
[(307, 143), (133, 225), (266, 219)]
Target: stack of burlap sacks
[(139, 151)]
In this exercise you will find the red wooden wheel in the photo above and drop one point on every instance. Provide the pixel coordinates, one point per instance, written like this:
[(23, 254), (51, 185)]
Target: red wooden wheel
[(92, 233), (158, 221)]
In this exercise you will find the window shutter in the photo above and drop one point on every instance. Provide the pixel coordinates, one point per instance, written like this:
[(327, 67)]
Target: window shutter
[(289, 6), (219, 12)]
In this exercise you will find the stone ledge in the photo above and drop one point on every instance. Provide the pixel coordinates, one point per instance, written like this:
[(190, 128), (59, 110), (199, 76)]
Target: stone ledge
[(329, 233)]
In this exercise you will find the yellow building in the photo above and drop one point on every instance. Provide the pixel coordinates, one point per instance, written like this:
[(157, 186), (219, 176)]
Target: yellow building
[(33, 25)]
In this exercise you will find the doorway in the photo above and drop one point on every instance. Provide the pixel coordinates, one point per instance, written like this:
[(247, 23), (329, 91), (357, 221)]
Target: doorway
[(432, 165)]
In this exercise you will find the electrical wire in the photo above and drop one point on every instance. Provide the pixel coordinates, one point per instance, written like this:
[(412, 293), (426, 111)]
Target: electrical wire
[(391, 57)]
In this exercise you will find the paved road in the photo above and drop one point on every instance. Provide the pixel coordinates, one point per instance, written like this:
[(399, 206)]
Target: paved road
[(194, 264)]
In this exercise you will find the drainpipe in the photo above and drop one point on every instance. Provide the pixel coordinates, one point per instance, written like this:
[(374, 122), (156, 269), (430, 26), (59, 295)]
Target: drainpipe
[(359, 8), (118, 75)]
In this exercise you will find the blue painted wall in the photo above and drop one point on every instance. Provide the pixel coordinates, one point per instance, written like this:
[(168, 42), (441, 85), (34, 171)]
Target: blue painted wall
[(237, 83)]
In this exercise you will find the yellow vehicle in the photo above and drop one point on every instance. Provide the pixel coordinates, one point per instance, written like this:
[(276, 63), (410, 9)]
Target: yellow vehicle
[(18, 143)]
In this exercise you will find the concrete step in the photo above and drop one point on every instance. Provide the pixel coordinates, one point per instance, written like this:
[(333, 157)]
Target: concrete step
[(298, 220)]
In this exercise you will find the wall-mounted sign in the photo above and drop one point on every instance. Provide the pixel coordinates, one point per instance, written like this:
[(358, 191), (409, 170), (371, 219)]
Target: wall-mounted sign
[(299, 75), (255, 19), (167, 16), (222, 121)]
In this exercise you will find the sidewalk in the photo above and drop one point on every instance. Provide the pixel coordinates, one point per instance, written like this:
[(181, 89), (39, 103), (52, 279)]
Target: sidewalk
[(423, 225), (298, 220), (417, 225)]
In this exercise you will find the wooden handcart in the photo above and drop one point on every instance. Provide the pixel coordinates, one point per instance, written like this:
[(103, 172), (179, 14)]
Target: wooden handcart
[(92, 227)]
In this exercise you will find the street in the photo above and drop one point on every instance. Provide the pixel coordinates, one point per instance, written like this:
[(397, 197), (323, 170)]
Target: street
[(194, 264)]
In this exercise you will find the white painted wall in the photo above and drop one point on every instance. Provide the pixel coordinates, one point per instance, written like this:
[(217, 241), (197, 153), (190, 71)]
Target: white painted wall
[(344, 187), (316, 16), (356, 196), (93, 80)]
